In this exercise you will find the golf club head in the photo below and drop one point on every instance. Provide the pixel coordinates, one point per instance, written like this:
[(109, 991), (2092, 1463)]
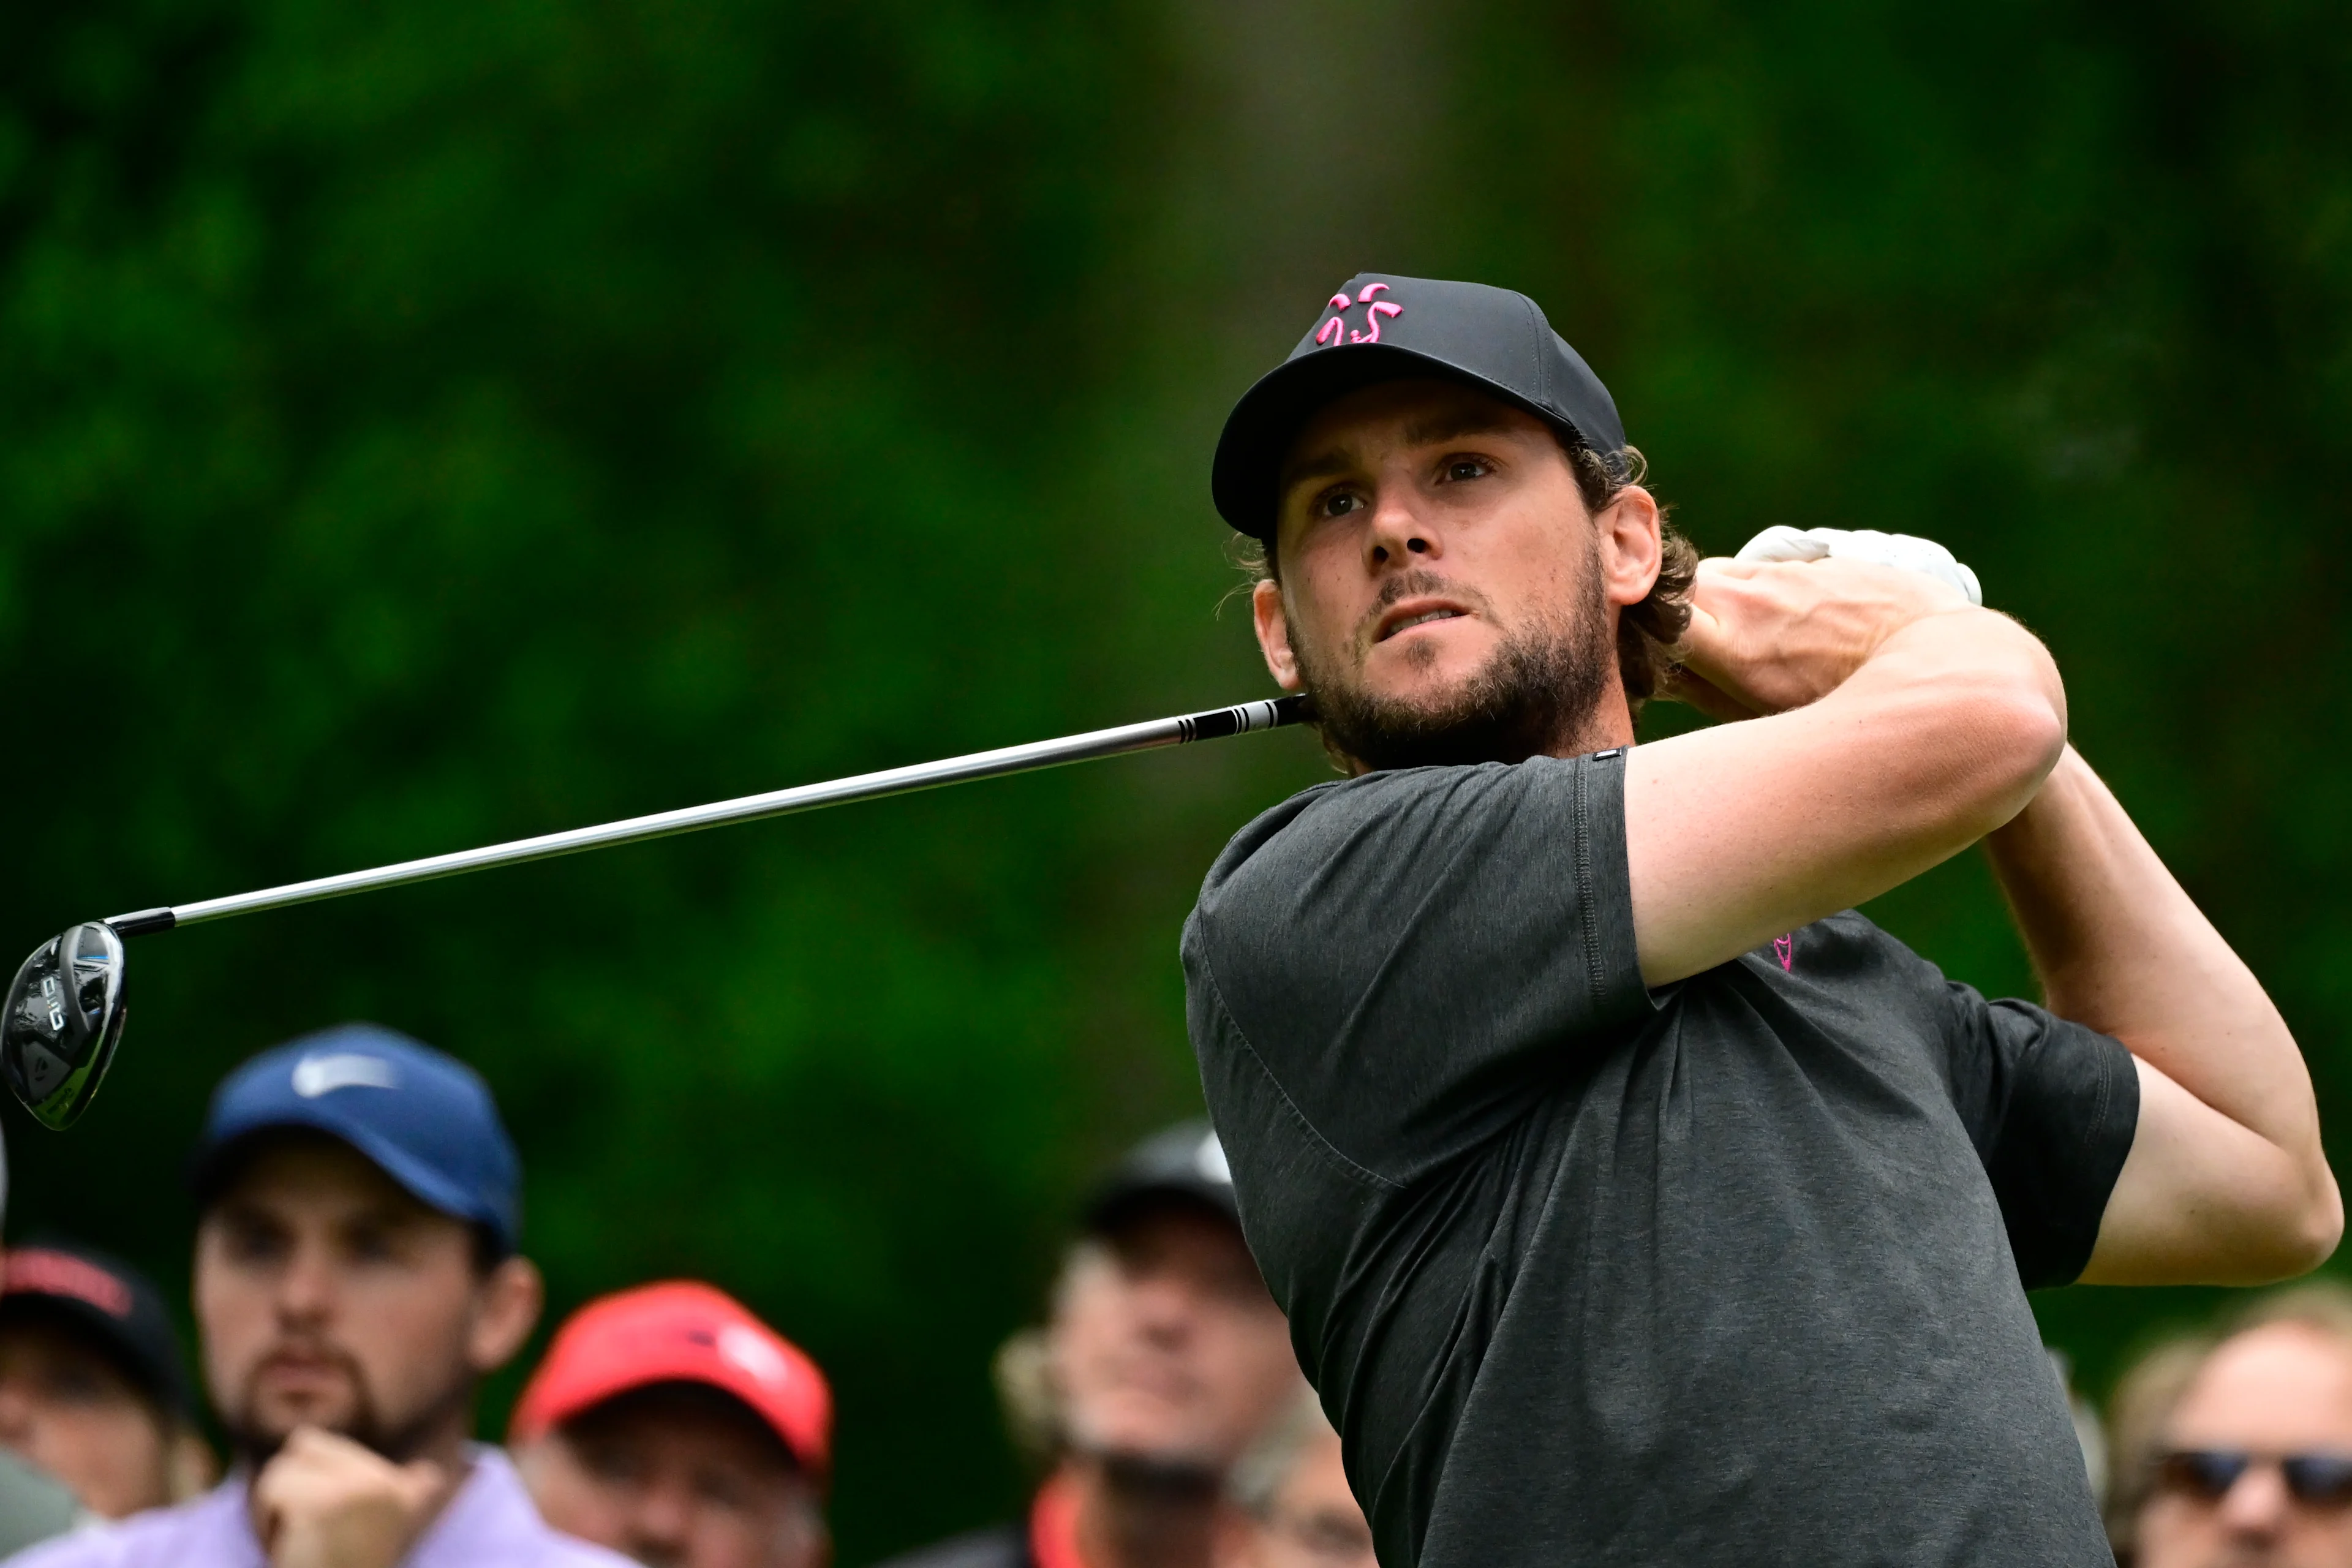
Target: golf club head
[(63, 1019)]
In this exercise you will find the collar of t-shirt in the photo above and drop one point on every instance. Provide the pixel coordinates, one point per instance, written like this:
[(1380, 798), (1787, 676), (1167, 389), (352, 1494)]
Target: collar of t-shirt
[(489, 1524), (1054, 1525)]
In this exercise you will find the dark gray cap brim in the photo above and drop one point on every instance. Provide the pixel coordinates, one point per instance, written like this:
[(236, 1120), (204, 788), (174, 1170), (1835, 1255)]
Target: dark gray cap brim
[(1268, 418), (1383, 328), (1181, 1165), (1113, 1211)]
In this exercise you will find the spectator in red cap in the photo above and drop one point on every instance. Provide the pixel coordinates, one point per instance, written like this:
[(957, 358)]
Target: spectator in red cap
[(91, 1385), (1164, 1358), (670, 1424)]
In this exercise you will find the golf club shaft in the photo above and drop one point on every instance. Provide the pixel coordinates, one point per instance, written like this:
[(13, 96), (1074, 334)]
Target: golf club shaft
[(1216, 722)]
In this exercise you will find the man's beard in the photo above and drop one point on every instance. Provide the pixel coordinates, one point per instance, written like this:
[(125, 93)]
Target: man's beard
[(1161, 1477), (398, 1439), (1173, 1467), (1537, 693)]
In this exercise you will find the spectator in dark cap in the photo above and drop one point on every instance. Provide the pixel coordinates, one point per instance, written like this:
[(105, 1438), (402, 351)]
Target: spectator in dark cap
[(670, 1424), (1163, 1360), (91, 1385), (34, 1504), (355, 1278)]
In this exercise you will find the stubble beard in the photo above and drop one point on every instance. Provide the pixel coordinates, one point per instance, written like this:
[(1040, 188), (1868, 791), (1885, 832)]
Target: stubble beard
[(1535, 696)]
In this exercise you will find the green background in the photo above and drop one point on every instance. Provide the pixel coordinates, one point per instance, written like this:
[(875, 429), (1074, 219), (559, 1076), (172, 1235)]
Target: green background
[(433, 422)]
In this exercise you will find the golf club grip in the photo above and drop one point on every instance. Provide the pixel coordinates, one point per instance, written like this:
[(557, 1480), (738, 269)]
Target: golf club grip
[(1213, 724)]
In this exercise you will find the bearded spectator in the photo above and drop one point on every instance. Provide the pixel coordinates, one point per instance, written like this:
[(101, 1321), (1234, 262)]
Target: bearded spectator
[(357, 1275), (1164, 1357)]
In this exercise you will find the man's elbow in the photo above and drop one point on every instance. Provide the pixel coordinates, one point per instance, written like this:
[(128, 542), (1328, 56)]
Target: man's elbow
[(2014, 734), (2289, 1236), (2320, 1225)]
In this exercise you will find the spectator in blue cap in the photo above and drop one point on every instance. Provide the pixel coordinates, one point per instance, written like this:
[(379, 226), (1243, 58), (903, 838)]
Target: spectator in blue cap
[(356, 1276)]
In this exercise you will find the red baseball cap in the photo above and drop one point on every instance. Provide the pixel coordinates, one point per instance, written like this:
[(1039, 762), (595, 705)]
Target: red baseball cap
[(680, 1332)]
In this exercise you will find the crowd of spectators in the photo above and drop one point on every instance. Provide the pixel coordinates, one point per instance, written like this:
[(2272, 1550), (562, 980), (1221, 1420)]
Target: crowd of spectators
[(359, 1271)]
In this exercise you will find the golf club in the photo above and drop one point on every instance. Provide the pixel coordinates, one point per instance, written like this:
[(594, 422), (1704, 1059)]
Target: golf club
[(64, 1013)]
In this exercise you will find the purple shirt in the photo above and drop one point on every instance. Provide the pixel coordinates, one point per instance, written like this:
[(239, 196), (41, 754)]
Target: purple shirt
[(489, 1524)]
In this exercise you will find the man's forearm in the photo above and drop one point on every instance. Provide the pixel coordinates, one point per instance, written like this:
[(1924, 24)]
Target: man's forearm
[(2120, 948), (1900, 731)]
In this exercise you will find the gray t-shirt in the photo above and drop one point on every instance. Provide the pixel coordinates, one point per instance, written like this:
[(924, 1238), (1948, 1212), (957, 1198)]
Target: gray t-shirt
[(1731, 1273)]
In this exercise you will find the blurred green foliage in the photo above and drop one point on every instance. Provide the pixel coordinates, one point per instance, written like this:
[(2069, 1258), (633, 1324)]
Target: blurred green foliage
[(428, 422)]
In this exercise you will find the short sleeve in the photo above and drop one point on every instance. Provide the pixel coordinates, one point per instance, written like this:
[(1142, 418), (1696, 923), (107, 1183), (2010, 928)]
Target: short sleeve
[(1410, 955), (2052, 1107)]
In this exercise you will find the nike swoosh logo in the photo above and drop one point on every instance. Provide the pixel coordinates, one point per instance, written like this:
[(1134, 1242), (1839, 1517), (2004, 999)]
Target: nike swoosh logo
[(315, 1076)]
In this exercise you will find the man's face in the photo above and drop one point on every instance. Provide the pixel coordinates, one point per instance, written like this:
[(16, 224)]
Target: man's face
[(1314, 1523), (328, 1296), (1166, 1347), (2272, 1391), (68, 1408), (677, 1476), (1444, 595)]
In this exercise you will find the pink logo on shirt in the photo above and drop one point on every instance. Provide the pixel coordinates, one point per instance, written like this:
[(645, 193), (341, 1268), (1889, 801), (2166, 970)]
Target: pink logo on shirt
[(1784, 948), (1337, 329)]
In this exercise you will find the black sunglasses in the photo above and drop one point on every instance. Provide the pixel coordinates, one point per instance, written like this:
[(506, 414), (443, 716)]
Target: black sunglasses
[(2207, 1474)]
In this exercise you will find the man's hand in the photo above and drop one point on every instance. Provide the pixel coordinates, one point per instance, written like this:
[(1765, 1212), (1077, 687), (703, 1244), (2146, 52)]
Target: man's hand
[(1908, 551), (327, 1502), (1899, 725), (1768, 637)]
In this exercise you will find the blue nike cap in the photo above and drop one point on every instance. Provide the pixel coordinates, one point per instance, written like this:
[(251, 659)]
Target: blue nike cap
[(1381, 327), (425, 1119)]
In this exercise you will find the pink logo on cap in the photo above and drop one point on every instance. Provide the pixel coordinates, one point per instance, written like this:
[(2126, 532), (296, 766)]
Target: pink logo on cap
[(1331, 332)]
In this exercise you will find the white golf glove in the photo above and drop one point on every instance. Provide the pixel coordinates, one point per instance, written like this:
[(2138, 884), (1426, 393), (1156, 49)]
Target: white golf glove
[(1781, 542)]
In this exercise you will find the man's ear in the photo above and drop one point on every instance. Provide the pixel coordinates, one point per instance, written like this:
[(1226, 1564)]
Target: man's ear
[(1629, 531), (1273, 633), (507, 1303)]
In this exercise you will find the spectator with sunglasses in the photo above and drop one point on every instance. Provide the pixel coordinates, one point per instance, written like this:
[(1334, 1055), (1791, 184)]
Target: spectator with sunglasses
[(2235, 1450)]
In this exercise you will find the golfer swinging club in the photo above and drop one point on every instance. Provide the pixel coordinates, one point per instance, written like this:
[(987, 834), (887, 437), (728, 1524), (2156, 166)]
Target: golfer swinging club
[(1631, 1204)]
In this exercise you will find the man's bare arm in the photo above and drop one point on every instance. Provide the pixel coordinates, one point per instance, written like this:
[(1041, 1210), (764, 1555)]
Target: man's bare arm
[(2226, 1182), (1904, 725)]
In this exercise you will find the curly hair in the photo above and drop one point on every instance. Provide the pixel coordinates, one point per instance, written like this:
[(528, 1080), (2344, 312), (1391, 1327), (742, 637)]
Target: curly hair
[(1647, 631)]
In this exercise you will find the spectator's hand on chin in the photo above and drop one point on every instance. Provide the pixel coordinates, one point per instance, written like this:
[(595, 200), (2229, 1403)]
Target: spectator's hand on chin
[(327, 1502)]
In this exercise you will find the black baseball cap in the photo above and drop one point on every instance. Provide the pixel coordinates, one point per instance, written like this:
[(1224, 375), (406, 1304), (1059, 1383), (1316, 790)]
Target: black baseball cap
[(1183, 1163), (1384, 328), (107, 1302)]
